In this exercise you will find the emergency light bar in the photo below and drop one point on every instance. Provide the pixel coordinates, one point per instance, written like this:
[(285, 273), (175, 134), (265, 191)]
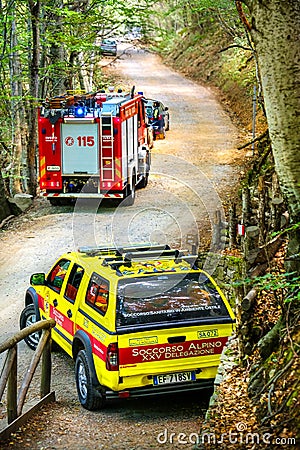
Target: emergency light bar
[(80, 111)]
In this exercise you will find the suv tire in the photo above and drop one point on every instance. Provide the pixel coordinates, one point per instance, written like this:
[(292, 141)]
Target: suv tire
[(28, 317), (88, 396)]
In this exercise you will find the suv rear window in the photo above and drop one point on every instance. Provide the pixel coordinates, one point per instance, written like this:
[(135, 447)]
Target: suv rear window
[(166, 298), (98, 293)]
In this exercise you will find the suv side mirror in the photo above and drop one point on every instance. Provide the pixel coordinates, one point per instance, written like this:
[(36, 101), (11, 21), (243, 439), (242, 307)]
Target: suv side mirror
[(38, 279), (166, 108)]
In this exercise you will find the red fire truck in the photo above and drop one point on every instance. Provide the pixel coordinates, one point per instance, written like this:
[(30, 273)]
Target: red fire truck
[(93, 145)]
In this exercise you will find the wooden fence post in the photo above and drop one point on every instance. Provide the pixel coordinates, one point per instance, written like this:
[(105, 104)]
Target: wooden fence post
[(216, 237), (46, 369), (261, 213), (30, 372), (246, 206), (8, 376), (12, 386), (232, 225)]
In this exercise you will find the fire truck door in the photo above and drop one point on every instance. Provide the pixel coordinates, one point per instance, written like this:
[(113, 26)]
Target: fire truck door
[(130, 142), (80, 144)]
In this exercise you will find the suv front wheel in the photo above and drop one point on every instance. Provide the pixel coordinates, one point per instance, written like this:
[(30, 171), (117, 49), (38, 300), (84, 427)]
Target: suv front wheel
[(88, 396)]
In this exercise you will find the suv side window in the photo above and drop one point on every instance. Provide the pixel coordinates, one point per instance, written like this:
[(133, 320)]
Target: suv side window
[(57, 275), (97, 294), (74, 282)]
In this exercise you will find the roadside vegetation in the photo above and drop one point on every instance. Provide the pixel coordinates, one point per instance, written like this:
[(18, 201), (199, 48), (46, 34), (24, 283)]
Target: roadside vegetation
[(212, 45)]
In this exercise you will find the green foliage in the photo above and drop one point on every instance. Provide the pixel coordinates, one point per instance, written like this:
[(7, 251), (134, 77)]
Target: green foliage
[(292, 227), (237, 66), (286, 284)]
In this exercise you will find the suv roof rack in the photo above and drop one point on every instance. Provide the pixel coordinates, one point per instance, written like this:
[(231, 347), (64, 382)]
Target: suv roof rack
[(119, 251), (115, 262), (95, 251), (143, 248), (115, 256), (152, 254)]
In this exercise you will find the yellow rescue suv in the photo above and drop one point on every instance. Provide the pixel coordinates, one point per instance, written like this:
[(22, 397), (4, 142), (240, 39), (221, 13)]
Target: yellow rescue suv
[(138, 320)]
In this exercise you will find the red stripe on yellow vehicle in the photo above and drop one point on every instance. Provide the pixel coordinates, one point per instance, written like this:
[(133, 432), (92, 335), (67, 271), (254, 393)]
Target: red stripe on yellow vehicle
[(62, 320), (161, 352), (41, 302), (98, 348)]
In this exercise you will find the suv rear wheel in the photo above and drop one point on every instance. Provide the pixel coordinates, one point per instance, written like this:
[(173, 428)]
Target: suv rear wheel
[(88, 396), (28, 317)]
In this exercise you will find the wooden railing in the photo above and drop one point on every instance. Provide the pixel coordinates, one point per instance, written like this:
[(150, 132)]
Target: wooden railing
[(15, 400)]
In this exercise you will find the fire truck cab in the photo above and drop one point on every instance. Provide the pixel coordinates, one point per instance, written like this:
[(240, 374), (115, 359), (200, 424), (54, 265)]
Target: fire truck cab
[(93, 145)]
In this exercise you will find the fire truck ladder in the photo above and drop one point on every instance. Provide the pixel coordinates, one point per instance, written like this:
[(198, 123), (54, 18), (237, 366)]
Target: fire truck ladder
[(107, 142)]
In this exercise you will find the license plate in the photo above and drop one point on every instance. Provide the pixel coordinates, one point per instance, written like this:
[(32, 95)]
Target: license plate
[(178, 377)]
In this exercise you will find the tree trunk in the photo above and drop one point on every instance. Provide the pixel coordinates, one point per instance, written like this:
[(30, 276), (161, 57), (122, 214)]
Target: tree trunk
[(275, 29), (16, 96), (57, 53), (4, 205), (34, 8)]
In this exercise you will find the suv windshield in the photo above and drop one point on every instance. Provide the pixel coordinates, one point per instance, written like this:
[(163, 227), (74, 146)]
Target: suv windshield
[(167, 297)]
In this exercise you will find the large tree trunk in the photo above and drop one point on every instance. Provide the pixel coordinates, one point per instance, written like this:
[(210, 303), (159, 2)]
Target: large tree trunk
[(275, 28), (5, 210), (57, 52), (34, 8), (16, 100)]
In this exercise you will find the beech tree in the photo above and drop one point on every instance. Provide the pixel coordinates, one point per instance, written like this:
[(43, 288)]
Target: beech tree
[(34, 61), (274, 26)]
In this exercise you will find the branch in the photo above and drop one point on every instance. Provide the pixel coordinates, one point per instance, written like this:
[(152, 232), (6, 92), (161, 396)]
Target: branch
[(265, 419), (5, 147), (288, 331), (258, 138), (248, 300), (235, 45), (228, 29), (241, 13), (4, 221), (278, 374)]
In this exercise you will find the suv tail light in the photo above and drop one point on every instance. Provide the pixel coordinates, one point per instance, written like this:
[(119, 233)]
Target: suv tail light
[(112, 357)]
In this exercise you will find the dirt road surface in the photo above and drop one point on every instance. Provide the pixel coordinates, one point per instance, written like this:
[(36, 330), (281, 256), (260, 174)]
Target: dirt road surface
[(194, 171)]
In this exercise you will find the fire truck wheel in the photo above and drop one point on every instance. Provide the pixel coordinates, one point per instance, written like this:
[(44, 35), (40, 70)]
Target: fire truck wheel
[(88, 396), (28, 317), (130, 196), (54, 201), (144, 181)]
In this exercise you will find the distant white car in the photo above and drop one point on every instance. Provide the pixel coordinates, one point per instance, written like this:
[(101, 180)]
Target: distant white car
[(108, 47)]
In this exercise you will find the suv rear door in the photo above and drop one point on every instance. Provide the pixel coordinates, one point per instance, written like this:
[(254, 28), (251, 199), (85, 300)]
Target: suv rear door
[(171, 323)]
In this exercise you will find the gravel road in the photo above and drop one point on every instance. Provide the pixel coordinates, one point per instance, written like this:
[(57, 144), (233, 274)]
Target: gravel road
[(193, 173)]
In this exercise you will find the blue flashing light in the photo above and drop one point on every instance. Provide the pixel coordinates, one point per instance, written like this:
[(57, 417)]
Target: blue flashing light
[(80, 111)]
